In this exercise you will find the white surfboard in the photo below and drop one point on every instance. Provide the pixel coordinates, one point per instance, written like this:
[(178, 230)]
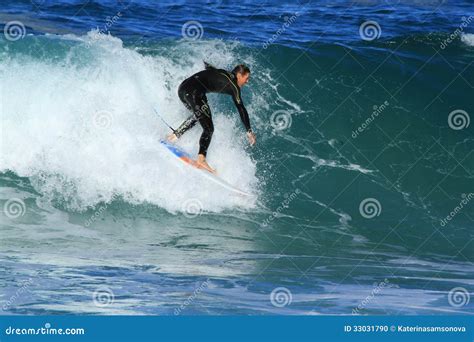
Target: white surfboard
[(187, 159)]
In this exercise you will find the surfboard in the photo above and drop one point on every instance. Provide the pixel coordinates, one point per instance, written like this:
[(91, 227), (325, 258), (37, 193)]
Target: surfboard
[(188, 160)]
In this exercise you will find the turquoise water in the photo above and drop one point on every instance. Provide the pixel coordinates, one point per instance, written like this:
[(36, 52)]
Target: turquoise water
[(362, 172)]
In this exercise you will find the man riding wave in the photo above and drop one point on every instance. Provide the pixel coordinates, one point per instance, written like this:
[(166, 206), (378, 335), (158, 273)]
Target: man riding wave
[(192, 92)]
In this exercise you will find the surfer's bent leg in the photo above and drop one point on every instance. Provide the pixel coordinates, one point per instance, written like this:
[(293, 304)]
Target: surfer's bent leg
[(188, 100), (187, 124), (203, 114)]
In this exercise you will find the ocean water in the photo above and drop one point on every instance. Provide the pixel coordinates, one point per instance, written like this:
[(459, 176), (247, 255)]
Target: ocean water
[(362, 175)]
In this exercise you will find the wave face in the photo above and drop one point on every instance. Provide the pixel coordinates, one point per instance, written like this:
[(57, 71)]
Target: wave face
[(81, 123), (362, 172)]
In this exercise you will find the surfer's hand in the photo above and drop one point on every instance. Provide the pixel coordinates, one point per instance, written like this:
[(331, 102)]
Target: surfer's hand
[(251, 137)]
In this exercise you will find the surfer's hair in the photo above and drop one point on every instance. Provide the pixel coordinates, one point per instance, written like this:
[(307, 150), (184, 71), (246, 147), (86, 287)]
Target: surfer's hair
[(241, 69)]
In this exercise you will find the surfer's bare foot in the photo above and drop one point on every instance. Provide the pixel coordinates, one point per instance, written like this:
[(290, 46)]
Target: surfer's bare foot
[(202, 163), (171, 137)]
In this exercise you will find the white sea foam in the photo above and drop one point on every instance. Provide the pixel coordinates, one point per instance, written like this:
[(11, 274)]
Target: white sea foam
[(84, 131), (468, 38)]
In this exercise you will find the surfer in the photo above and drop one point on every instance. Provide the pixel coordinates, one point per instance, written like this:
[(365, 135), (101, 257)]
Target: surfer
[(192, 92)]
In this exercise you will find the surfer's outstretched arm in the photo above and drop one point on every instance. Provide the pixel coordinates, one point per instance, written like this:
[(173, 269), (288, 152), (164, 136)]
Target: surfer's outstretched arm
[(241, 75), (244, 116)]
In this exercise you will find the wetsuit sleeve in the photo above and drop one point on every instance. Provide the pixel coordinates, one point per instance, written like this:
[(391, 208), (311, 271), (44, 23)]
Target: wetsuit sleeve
[(244, 115)]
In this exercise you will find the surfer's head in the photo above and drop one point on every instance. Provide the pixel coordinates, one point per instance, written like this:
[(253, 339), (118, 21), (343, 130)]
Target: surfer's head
[(242, 74)]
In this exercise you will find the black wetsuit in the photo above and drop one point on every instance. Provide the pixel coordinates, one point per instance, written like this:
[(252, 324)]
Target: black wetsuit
[(192, 93)]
